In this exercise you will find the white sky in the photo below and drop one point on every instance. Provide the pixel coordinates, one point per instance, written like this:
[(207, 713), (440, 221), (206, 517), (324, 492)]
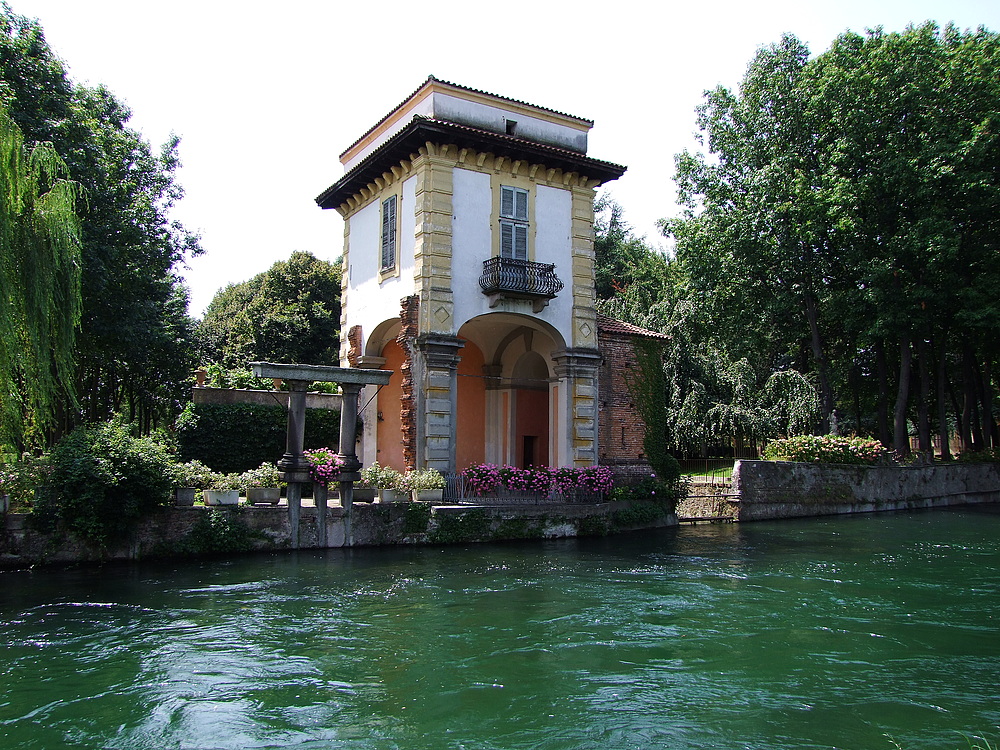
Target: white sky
[(265, 96)]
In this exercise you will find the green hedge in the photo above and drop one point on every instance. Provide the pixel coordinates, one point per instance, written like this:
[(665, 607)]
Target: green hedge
[(239, 437)]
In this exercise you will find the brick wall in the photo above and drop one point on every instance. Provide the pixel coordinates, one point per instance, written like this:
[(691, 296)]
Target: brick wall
[(620, 427), (409, 327)]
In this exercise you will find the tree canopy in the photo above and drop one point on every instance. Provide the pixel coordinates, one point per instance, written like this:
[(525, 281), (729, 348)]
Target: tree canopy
[(289, 313), (133, 352), (845, 220), (39, 283)]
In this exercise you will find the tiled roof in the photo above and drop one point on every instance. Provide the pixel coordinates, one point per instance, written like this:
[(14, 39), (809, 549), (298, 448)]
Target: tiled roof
[(414, 135), (612, 325), (463, 88)]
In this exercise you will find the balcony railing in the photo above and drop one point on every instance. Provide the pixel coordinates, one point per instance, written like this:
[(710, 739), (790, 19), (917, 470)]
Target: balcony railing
[(519, 279)]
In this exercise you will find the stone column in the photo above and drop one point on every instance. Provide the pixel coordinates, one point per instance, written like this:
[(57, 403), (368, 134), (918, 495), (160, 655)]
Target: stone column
[(437, 401), (293, 465), (577, 373), (496, 425), (351, 466)]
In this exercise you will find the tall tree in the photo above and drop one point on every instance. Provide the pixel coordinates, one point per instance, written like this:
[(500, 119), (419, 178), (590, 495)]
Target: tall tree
[(847, 217), (289, 313), (133, 350), (39, 283)]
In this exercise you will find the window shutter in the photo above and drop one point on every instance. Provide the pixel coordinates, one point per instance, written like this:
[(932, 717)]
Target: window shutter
[(507, 202), (506, 239), (389, 232), (520, 241), (521, 205)]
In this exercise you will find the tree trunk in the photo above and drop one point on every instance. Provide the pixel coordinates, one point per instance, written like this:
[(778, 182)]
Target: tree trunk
[(923, 406), (989, 426), (965, 428), (822, 369), (882, 417), (901, 438), (942, 387)]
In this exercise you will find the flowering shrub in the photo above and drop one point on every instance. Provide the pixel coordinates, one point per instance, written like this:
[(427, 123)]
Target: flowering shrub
[(193, 474), (587, 479), (484, 478), (537, 479), (324, 465), (422, 479), (265, 475), (381, 477), (830, 449)]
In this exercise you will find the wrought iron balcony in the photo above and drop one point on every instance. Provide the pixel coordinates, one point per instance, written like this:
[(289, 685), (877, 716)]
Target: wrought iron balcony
[(519, 279)]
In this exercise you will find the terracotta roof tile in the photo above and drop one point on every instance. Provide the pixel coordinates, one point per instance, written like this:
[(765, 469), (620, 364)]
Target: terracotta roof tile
[(612, 325)]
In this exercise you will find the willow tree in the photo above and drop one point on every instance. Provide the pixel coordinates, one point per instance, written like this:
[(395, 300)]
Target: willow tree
[(39, 283)]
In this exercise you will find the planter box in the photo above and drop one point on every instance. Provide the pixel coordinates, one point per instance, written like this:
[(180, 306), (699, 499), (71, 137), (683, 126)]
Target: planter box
[(222, 497), (364, 494), (391, 496), (263, 495), (428, 496), (185, 496)]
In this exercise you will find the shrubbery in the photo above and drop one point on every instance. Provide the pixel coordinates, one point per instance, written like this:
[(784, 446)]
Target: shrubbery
[(103, 481), (238, 437), (829, 449), (19, 478)]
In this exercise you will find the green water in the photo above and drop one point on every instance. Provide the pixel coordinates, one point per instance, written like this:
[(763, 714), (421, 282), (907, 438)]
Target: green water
[(860, 633)]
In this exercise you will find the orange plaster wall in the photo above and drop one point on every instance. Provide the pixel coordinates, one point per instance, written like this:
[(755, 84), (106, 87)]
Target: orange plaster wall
[(533, 419), (471, 427), (390, 430)]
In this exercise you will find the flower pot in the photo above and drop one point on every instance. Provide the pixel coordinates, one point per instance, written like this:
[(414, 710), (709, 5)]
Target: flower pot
[(263, 495), (392, 496), (222, 497), (364, 494), (185, 496), (428, 496)]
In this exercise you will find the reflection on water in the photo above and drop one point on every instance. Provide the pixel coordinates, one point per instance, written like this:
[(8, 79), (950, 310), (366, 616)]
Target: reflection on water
[(822, 633)]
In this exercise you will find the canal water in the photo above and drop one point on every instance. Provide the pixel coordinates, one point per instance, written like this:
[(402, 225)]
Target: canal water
[(860, 633)]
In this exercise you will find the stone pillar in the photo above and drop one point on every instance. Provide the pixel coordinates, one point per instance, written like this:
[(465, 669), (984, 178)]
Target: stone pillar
[(437, 401), (496, 423), (293, 465), (577, 373), (351, 471)]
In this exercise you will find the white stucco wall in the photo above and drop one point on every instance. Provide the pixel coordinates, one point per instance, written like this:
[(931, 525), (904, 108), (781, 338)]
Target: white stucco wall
[(471, 241), (494, 118), (396, 123), (551, 217), (368, 301), (554, 244), (476, 114)]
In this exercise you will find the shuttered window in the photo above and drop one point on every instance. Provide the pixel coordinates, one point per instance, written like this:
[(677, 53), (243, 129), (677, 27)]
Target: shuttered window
[(513, 222), (389, 232)]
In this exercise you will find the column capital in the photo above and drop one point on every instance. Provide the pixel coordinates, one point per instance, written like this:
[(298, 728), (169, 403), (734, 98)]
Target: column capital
[(438, 350), (576, 362)]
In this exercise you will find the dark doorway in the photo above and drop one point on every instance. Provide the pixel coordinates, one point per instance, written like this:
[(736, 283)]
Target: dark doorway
[(529, 444)]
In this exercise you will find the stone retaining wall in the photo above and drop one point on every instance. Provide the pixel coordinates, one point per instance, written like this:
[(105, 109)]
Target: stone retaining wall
[(782, 489), (197, 531)]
